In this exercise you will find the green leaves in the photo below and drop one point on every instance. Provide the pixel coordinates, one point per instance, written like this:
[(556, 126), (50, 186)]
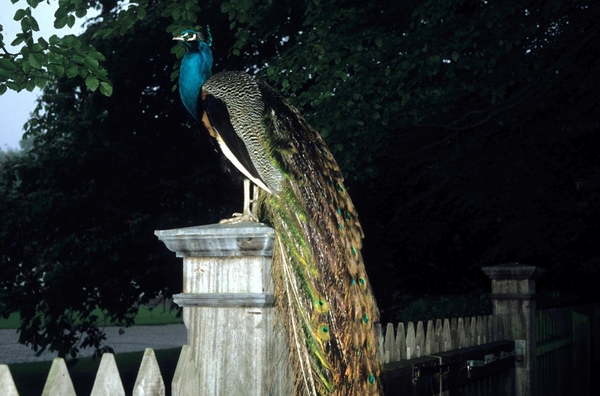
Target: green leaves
[(37, 61), (67, 20), (72, 71), (57, 58), (106, 89), (184, 14), (92, 83), (126, 18), (6, 64), (28, 22), (91, 63), (20, 14), (68, 12)]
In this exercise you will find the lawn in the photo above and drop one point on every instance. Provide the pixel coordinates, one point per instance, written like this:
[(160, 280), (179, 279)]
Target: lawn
[(146, 316)]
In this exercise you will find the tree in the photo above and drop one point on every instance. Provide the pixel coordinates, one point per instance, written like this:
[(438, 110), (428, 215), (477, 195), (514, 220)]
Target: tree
[(80, 208), (469, 128), (466, 129)]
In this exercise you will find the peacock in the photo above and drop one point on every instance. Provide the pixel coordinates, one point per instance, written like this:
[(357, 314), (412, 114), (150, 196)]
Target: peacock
[(323, 295)]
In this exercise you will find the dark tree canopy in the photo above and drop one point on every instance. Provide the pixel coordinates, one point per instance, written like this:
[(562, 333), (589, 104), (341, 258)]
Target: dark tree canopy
[(469, 128), (467, 131)]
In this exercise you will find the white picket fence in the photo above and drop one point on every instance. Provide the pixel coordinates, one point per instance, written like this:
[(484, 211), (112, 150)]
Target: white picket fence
[(399, 342), (149, 381), (440, 336)]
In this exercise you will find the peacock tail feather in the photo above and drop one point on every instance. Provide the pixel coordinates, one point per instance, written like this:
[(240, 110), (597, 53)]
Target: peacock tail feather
[(322, 288)]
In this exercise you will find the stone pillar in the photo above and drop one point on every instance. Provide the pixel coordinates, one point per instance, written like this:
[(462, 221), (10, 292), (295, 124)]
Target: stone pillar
[(235, 343), (513, 299)]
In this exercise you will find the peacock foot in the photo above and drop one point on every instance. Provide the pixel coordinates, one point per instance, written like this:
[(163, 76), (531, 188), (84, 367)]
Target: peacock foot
[(239, 218), (250, 207)]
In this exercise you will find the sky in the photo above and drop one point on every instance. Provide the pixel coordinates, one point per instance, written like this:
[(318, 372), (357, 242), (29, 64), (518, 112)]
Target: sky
[(15, 108)]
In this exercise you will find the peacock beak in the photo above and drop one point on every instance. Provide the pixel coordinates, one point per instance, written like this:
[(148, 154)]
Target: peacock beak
[(180, 38)]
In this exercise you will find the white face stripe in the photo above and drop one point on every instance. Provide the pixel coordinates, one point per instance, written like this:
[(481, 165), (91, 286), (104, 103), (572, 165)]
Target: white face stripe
[(187, 37)]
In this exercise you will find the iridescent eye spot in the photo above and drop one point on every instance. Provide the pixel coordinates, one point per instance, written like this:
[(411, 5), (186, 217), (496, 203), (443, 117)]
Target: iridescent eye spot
[(371, 379), (362, 283), (353, 249), (322, 305), (366, 318), (323, 332)]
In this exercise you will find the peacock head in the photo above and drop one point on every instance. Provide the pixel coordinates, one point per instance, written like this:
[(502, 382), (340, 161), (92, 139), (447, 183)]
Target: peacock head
[(189, 36)]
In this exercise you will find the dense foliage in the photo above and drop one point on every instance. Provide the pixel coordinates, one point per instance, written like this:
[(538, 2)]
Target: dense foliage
[(466, 129)]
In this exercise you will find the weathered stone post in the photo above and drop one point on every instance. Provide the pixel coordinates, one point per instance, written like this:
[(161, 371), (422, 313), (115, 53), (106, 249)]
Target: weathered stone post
[(513, 299), (235, 344)]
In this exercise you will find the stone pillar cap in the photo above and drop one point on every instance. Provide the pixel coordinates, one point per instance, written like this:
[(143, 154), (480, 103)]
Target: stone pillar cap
[(513, 271), (220, 240)]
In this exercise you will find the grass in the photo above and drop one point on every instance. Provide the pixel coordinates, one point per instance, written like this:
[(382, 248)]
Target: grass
[(145, 316), (31, 377), (156, 316), (12, 322)]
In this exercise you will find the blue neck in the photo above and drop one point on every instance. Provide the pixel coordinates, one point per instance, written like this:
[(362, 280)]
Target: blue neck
[(196, 67)]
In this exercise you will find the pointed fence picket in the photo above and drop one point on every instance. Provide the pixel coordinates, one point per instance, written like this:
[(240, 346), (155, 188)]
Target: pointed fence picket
[(441, 335), (149, 381), (7, 384)]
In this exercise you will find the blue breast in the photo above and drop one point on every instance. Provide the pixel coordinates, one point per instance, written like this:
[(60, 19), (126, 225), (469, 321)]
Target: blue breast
[(196, 67)]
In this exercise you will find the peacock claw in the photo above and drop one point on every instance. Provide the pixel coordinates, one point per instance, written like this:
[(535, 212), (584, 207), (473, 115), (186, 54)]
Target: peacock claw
[(250, 212), (239, 218)]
